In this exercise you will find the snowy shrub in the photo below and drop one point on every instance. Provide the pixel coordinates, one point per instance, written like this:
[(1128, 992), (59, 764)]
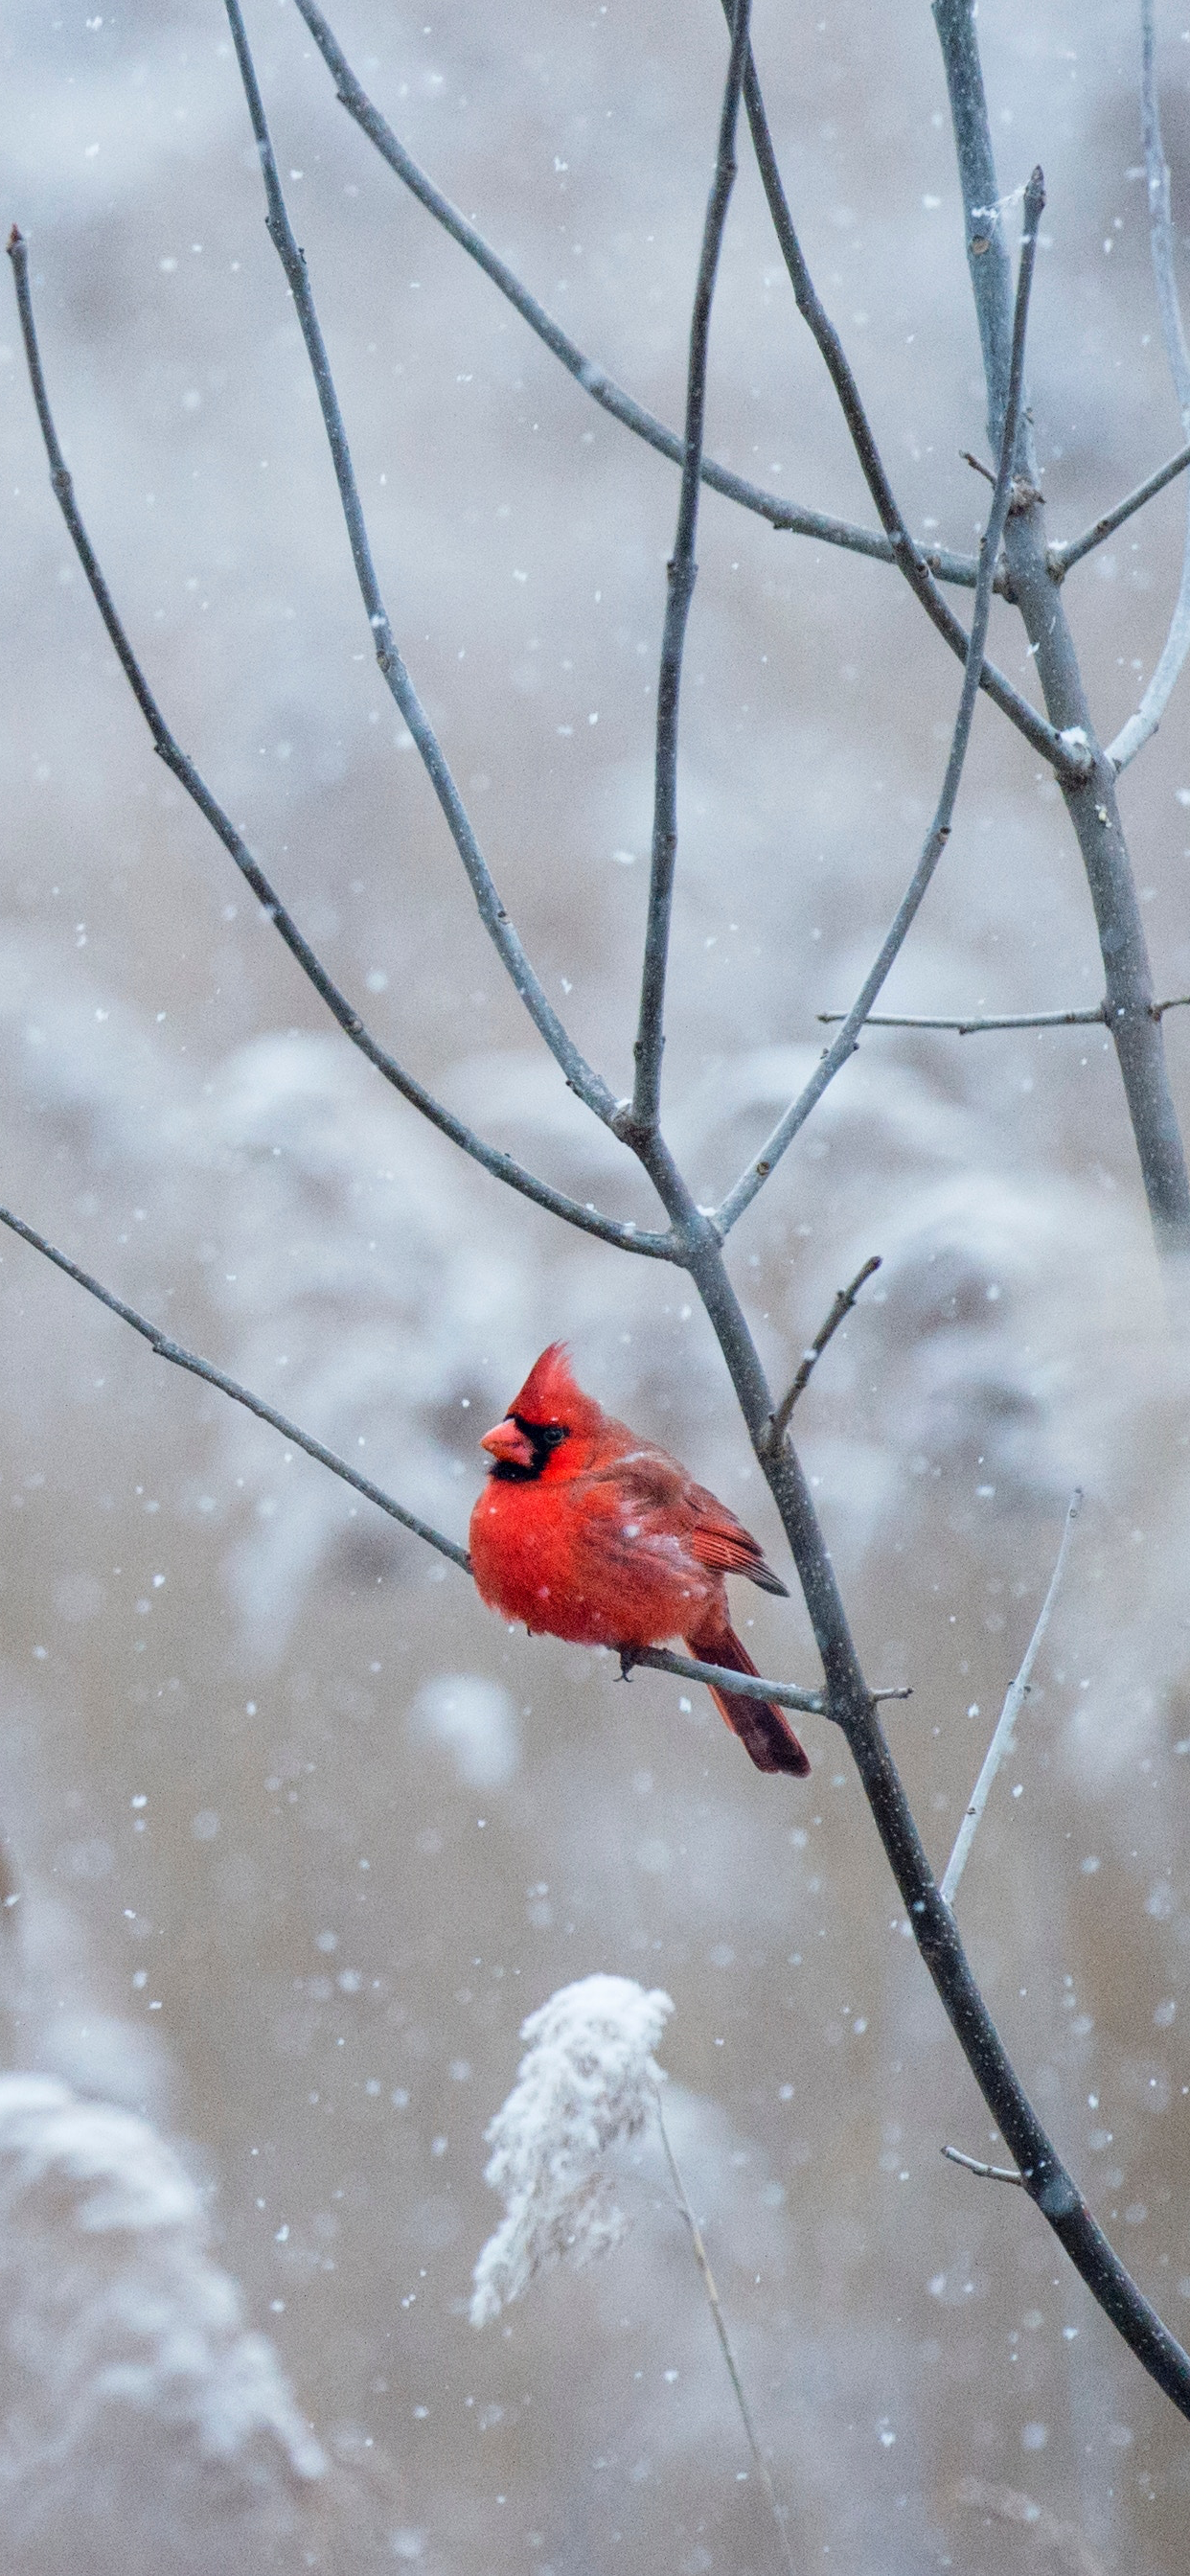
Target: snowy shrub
[(144, 2425)]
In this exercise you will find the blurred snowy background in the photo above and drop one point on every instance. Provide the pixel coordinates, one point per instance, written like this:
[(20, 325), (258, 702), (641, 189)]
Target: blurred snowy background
[(296, 1834)]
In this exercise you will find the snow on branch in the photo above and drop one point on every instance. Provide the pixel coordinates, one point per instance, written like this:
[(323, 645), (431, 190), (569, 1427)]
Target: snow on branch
[(586, 2082)]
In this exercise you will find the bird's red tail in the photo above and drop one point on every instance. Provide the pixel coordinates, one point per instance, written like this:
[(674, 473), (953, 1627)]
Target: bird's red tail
[(763, 1729)]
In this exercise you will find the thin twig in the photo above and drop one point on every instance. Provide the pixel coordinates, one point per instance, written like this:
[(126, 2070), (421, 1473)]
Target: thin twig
[(687, 1668), (579, 1075), (1002, 1740), (976, 1028), (976, 2165), (845, 1044), (1060, 557), (843, 1304), (720, 2324), (168, 1349), (1144, 723), (503, 1167), (1099, 1017), (681, 578), (1069, 761)]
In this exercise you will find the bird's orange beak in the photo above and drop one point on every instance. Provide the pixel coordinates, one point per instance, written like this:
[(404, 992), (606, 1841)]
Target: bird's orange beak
[(507, 1444)]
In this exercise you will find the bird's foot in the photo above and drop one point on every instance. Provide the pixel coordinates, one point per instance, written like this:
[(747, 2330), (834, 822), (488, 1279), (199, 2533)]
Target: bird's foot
[(627, 1659)]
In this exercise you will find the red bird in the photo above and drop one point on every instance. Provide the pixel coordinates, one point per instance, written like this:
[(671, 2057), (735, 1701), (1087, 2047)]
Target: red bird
[(586, 1532)]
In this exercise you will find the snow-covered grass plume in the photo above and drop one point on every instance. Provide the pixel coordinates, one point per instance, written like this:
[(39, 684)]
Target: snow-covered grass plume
[(586, 2083), (136, 2403)]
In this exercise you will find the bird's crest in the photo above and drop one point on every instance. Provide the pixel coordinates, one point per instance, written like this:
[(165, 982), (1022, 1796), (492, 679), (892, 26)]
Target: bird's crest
[(551, 1393)]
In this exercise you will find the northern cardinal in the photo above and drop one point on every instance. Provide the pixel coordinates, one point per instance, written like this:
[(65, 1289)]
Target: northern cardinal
[(586, 1532)]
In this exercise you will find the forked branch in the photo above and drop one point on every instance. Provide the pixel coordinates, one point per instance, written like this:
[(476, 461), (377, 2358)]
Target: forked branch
[(753, 1180), (503, 1167), (1091, 803), (1066, 759), (594, 379)]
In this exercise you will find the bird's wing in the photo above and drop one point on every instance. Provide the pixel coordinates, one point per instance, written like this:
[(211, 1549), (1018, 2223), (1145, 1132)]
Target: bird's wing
[(658, 1503), (645, 1492), (720, 1541)]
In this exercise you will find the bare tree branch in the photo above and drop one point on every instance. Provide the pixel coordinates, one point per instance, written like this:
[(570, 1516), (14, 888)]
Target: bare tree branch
[(1091, 804), (744, 1685), (785, 516), (977, 1028), (1060, 557), (1067, 760), (1096, 1018), (168, 1349), (849, 1703), (625, 1236), (895, 545), (845, 1044), (1144, 723), (1015, 1698), (682, 575), (579, 1075), (976, 2165), (842, 1307), (708, 2282), (688, 1668), (919, 564)]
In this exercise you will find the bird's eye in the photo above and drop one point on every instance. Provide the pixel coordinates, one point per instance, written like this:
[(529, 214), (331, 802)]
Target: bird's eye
[(554, 1433)]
